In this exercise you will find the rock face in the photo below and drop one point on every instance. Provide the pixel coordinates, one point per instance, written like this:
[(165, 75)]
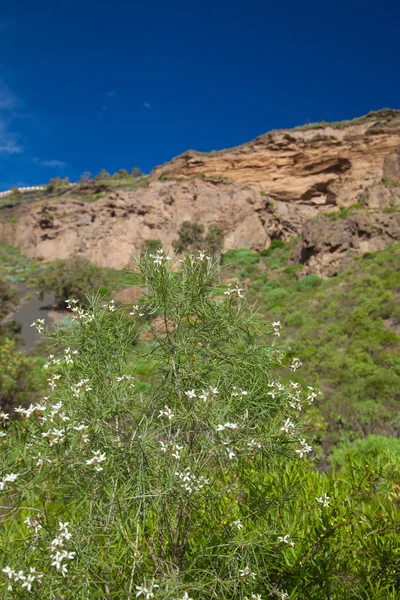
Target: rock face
[(328, 247), (268, 188)]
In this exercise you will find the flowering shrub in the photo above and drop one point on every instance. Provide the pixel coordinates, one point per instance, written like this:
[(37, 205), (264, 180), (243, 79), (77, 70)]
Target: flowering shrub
[(198, 487)]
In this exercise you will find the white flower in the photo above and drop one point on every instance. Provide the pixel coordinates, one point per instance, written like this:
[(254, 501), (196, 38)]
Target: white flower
[(34, 523), (147, 592), (286, 540), (96, 460), (237, 291), (136, 311), (54, 436), (246, 572), (238, 392), (9, 572), (237, 524), (304, 448), (167, 412), (254, 597), (39, 324), (283, 595), (8, 479), (84, 430), (231, 453), (190, 394), (3, 434), (276, 326), (313, 394), (287, 426), (4, 416), (202, 256), (254, 444), (323, 500), (82, 385), (111, 305), (296, 364), (159, 257), (129, 378)]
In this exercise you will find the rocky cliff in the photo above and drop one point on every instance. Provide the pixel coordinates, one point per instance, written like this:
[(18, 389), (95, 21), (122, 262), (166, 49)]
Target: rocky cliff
[(278, 186)]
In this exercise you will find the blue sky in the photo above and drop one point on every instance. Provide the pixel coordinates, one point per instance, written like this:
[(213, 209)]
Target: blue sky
[(89, 85)]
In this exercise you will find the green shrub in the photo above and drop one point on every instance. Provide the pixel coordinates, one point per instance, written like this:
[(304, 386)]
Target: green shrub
[(152, 245), (310, 281), (71, 278), (240, 258), (195, 485)]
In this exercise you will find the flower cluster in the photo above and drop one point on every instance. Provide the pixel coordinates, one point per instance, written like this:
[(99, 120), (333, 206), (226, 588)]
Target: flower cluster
[(27, 580), (324, 500), (238, 392), (167, 412), (54, 435), (160, 257), (176, 449), (81, 386), (190, 482), (234, 291), (246, 572), (304, 448), (136, 312), (10, 478), (128, 378), (202, 256), (296, 364), (68, 355), (146, 590), (285, 539), (39, 325), (83, 429), (78, 312), (59, 554), (276, 326), (96, 460), (34, 522)]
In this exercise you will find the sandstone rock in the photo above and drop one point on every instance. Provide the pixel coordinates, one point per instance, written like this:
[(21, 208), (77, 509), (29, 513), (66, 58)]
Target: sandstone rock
[(391, 166), (328, 247)]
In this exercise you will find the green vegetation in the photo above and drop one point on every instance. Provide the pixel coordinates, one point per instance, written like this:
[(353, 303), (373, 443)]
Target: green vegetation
[(72, 278), (347, 331), (179, 469), (58, 185), (191, 238)]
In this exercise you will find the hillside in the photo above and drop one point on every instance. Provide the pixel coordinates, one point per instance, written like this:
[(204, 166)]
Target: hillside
[(271, 188)]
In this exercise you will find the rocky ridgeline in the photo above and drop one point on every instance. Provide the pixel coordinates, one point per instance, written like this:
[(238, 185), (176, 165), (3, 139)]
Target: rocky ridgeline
[(334, 185)]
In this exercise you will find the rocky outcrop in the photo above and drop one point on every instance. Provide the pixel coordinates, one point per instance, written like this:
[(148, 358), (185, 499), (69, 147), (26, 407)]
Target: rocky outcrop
[(329, 246), (273, 187), (320, 166), (109, 230)]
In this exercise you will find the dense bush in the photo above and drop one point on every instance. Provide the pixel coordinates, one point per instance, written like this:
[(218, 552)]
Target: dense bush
[(75, 277), (197, 486), (191, 238)]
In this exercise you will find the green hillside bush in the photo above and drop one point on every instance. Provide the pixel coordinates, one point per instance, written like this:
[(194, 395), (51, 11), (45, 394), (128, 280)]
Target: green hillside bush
[(195, 486)]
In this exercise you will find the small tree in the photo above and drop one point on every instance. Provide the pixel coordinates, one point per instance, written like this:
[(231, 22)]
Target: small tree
[(103, 175), (190, 237), (71, 278), (152, 245), (85, 177), (15, 195), (214, 240), (123, 173), (136, 172)]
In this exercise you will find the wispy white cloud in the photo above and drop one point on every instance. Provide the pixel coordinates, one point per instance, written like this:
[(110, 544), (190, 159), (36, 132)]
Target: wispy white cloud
[(9, 143), (147, 105), (53, 163)]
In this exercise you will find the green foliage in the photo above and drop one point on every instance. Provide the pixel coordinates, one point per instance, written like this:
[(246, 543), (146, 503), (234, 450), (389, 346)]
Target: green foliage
[(85, 177), (152, 245), (21, 377), (57, 185), (103, 175), (136, 172), (345, 328), (75, 277), (240, 258), (8, 298), (194, 485), (191, 238)]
